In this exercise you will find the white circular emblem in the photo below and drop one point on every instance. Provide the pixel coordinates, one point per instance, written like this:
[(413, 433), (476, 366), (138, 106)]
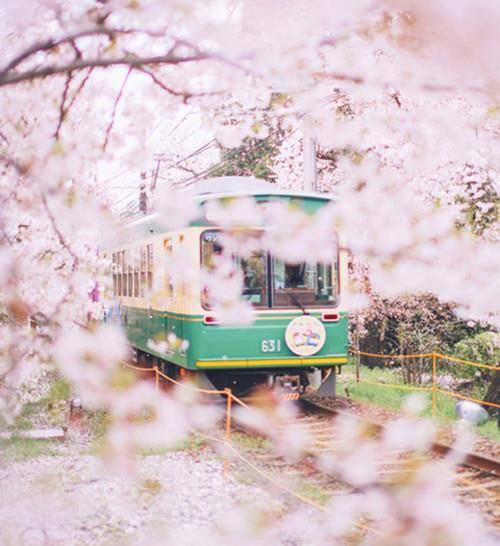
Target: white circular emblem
[(305, 335)]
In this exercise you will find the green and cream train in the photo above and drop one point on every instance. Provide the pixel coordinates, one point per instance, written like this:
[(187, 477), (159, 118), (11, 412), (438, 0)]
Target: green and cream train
[(299, 327)]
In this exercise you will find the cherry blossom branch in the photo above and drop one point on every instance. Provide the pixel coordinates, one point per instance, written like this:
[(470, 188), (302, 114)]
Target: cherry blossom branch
[(51, 43), (62, 109), (81, 64), (64, 243), (8, 77), (184, 94), (61, 238), (115, 106), (359, 80), (80, 88)]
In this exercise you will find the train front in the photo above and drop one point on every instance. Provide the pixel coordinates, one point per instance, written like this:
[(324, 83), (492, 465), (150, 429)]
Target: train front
[(296, 336)]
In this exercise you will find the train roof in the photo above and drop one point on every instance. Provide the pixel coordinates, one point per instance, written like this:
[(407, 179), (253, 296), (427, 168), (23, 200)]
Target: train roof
[(239, 186), (224, 187)]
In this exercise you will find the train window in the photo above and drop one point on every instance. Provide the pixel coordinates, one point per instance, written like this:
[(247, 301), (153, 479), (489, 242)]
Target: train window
[(136, 284), (303, 284), (119, 266), (125, 285), (253, 268), (254, 271), (124, 273), (211, 246), (143, 272), (169, 277), (114, 272), (149, 254)]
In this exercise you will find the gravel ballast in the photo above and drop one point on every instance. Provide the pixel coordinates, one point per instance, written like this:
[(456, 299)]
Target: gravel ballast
[(76, 500)]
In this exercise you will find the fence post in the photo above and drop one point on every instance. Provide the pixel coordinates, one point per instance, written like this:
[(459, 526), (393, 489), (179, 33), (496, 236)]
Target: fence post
[(434, 385), (157, 379), (229, 399)]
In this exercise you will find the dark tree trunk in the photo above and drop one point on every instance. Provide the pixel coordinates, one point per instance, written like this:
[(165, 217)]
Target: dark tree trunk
[(493, 395)]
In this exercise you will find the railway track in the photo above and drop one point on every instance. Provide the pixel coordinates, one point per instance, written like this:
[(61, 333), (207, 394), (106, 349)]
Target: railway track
[(476, 481)]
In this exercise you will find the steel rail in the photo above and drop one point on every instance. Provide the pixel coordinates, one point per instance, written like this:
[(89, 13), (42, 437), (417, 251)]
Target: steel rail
[(470, 459)]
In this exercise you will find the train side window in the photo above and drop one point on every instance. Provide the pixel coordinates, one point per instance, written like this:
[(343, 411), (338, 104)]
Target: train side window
[(127, 279), (125, 284), (118, 274), (149, 256), (136, 263), (143, 271), (169, 277), (136, 284), (121, 258), (114, 273)]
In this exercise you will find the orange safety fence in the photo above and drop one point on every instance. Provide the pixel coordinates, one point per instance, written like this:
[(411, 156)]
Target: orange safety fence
[(435, 389), (231, 397)]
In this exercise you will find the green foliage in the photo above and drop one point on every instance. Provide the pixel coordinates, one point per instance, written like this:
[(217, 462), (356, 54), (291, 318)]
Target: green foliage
[(51, 408), (253, 158), (483, 348), (19, 449), (60, 390), (386, 396), (409, 324), (253, 443), (313, 491), (480, 204)]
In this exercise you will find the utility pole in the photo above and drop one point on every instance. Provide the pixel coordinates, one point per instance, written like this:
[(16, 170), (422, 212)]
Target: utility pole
[(143, 198), (155, 177), (309, 157)]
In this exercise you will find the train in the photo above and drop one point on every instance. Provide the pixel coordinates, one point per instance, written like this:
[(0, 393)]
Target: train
[(299, 333)]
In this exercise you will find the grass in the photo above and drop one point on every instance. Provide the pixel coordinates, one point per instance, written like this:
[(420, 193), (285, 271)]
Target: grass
[(313, 491), (17, 448), (59, 392), (254, 443), (20, 449), (193, 442), (392, 398)]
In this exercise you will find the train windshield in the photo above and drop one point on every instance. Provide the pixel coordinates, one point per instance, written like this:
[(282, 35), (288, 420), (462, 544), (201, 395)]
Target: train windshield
[(269, 282), (253, 268), (303, 284)]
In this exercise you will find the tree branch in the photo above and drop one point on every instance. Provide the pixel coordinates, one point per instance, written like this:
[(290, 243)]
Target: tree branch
[(115, 106), (62, 109), (51, 43), (184, 94), (79, 88), (80, 64)]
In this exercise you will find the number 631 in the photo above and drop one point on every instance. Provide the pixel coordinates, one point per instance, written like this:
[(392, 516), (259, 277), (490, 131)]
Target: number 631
[(270, 345)]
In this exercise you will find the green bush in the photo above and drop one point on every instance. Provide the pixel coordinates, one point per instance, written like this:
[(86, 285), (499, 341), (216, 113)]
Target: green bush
[(483, 348)]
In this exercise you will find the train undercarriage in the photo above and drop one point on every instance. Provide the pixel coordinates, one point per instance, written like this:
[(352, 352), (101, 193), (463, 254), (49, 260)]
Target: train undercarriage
[(243, 382)]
